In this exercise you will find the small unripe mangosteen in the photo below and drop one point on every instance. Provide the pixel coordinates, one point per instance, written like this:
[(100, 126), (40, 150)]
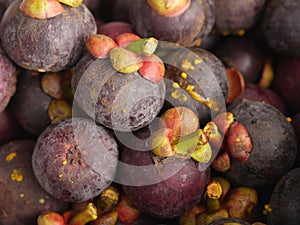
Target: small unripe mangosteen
[(8, 78), (274, 145), (285, 200), (49, 44), (184, 22), (113, 90), (74, 159), (280, 26), (21, 197)]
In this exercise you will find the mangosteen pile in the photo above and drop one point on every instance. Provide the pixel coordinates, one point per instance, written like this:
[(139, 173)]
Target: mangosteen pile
[(149, 112)]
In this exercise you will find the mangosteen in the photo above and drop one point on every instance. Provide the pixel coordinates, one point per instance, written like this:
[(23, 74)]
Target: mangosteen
[(243, 54), (165, 173), (50, 39), (281, 28), (285, 200), (120, 85), (75, 160), (21, 197), (184, 22), (40, 100), (236, 17), (224, 221), (196, 79), (262, 145), (8, 78)]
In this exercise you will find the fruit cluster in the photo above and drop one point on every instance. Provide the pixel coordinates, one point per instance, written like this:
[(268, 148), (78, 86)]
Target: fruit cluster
[(175, 112)]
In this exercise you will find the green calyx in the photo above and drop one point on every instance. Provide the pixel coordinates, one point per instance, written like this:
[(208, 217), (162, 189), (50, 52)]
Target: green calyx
[(125, 61), (72, 3), (41, 9), (145, 46), (169, 8)]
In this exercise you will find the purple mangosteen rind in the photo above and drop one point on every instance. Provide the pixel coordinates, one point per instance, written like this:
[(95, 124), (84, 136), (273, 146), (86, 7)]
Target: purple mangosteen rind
[(285, 194), (274, 145), (22, 198), (201, 11), (75, 160), (30, 103), (30, 45), (8, 76), (123, 102), (170, 197)]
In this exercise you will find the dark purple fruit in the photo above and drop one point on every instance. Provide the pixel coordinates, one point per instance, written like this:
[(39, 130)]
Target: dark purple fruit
[(196, 79), (233, 16), (162, 189), (121, 10), (75, 159), (287, 82), (256, 93), (296, 125), (229, 221), (280, 26), (21, 197), (8, 79), (285, 200), (33, 105), (186, 25), (118, 101), (115, 28), (10, 129), (274, 145), (243, 54), (51, 44)]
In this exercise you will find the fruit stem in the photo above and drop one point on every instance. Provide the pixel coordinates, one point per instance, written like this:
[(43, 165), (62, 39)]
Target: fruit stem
[(87, 215), (213, 194)]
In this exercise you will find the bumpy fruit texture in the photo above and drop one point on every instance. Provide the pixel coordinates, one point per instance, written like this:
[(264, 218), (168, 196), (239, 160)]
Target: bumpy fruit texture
[(74, 159)]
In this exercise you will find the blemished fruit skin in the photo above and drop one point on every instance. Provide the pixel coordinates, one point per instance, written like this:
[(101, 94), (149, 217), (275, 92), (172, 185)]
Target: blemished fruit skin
[(123, 102), (274, 145), (21, 197), (48, 45), (74, 160), (229, 221), (285, 200), (167, 198)]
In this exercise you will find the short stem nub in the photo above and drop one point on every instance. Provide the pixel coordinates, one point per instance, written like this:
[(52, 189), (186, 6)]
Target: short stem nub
[(169, 8), (87, 215)]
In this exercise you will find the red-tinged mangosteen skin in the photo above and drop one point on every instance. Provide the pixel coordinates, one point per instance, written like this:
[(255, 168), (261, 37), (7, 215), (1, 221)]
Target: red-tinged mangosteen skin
[(75, 160), (21, 197), (255, 93), (170, 197), (48, 45), (8, 79), (30, 103), (274, 145), (241, 53), (118, 101), (10, 129), (187, 29), (285, 200)]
